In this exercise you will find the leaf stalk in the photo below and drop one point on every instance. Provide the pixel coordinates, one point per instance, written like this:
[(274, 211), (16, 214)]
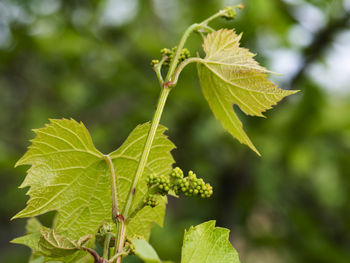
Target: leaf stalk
[(115, 211), (106, 245)]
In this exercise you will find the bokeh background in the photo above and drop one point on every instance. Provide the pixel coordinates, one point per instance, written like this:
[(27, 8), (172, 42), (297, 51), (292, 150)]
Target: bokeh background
[(90, 60)]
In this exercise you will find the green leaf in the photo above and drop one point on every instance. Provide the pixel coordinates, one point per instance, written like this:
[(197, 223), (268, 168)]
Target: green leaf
[(145, 251), (159, 162), (229, 75), (207, 243), (69, 175)]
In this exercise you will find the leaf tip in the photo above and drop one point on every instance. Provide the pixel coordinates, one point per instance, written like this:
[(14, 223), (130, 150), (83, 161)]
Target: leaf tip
[(21, 161), (15, 217), (249, 143), (18, 163), (255, 150), (294, 91)]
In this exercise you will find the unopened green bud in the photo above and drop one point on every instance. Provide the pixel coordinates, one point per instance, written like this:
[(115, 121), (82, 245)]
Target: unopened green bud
[(154, 62), (230, 13), (151, 200)]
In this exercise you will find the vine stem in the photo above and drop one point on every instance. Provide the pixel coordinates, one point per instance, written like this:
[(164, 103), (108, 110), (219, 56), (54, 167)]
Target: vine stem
[(121, 229), (121, 226), (151, 134)]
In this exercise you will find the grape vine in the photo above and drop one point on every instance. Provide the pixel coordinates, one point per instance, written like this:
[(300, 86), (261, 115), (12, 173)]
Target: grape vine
[(113, 199)]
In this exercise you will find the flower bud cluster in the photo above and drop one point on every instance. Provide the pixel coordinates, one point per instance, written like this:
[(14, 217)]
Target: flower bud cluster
[(178, 183), (161, 183), (130, 246), (132, 249), (170, 53), (230, 13), (105, 228), (151, 200), (190, 185), (154, 62)]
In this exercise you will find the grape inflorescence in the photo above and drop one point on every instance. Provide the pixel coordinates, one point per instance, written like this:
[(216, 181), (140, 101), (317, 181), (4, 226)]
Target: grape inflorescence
[(151, 200), (190, 185), (170, 53)]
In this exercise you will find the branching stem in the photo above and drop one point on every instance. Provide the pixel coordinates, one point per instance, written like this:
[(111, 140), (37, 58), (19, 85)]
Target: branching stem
[(180, 46), (194, 27), (181, 66), (151, 134), (166, 86), (158, 69), (117, 256), (93, 253)]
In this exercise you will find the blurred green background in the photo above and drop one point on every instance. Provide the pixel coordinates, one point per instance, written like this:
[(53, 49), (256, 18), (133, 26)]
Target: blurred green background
[(90, 60)]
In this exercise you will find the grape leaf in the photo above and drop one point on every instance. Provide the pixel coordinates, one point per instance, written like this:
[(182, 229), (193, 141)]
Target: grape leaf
[(229, 75), (70, 175), (207, 243), (67, 174)]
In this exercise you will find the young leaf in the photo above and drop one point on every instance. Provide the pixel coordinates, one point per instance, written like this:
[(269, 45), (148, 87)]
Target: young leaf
[(207, 243), (229, 75), (41, 255), (31, 240), (56, 245), (145, 251), (33, 225), (126, 160), (35, 239)]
